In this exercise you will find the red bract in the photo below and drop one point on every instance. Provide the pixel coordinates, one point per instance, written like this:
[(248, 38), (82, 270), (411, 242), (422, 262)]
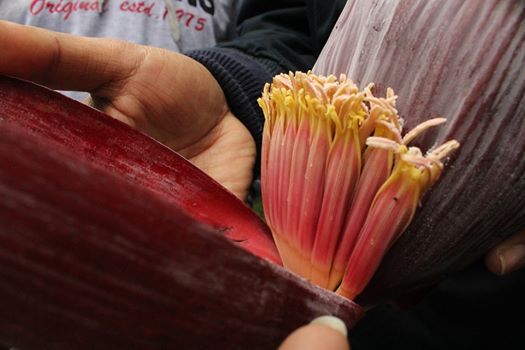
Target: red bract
[(110, 240)]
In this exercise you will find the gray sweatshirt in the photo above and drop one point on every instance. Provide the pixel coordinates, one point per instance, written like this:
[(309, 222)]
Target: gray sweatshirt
[(177, 25)]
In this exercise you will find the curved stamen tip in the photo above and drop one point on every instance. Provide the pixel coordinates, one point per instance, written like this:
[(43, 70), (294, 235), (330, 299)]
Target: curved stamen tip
[(419, 129), (444, 150), (383, 143)]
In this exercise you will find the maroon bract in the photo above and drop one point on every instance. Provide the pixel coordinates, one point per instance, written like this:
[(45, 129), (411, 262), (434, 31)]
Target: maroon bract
[(109, 240), (462, 60)]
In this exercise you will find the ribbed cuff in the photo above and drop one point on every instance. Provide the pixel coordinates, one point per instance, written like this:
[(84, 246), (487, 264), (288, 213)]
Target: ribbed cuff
[(242, 79)]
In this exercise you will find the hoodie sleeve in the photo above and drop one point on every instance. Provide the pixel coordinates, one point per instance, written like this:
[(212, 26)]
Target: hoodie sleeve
[(272, 37)]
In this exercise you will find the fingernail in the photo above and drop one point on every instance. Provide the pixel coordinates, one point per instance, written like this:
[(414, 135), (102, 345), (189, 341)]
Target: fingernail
[(502, 266), (512, 258), (331, 322)]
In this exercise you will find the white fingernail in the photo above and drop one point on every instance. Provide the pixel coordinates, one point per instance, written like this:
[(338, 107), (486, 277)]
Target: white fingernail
[(331, 322)]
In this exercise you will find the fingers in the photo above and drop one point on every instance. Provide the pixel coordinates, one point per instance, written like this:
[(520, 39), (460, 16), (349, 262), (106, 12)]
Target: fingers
[(323, 333), (64, 61), (507, 256)]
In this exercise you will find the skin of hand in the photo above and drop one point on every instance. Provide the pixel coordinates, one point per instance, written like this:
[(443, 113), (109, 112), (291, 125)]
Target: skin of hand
[(166, 95), (507, 256), (323, 333)]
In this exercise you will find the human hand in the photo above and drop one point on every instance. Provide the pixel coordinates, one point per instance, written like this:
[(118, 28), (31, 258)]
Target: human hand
[(166, 95), (507, 256), (323, 333)]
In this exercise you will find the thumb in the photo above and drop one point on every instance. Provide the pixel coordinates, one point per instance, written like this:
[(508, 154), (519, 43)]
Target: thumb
[(323, 333), (507, 256)]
